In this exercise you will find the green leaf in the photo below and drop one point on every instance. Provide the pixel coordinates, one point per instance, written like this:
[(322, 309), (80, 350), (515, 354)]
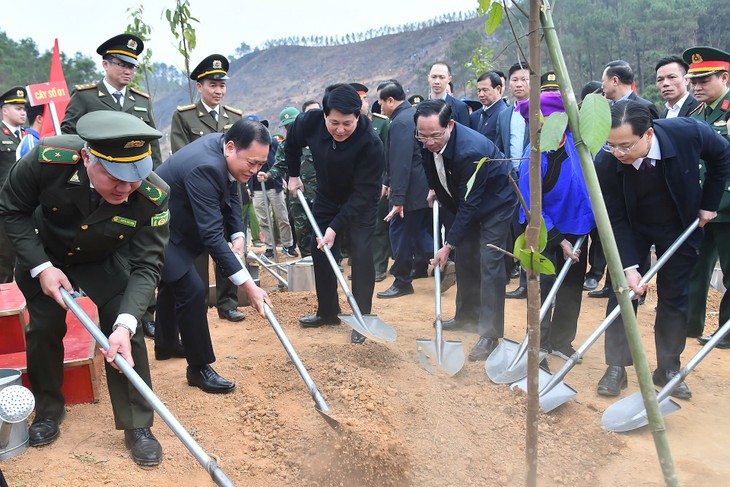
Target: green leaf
[(595, 122), (552, 131), (525, 258), (519, 244), (543, 238), (494, 19), (473, 178), (543, 265), (483, 6)]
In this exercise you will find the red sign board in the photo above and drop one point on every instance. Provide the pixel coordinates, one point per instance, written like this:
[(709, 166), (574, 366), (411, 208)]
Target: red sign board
[(43, 93)]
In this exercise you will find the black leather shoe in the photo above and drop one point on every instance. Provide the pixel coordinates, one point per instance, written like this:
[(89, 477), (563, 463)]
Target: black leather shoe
[(313, 321), (207, 379), (456, 324), (519, 293), (357, 338), (661, 377), (590, 284), (612, 381), (395, 292), (177, 351), (419, 274), (599, 293), (515, 272), (145, 448), (482, 349), (231, 315), (149, 328), (380, 276), (724, 343), (44, 431)]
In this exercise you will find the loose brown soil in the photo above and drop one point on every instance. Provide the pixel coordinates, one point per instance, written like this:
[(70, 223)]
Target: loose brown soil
[(401, 425)]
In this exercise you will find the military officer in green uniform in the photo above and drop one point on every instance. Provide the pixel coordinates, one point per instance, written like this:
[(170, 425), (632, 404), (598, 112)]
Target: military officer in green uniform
[(189, 123), (86, 210), (12, 104), (708, 74), (119, 61), (381, 238)]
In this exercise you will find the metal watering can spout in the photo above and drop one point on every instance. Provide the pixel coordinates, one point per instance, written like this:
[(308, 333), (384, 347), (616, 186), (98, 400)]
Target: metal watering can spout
[(16, 404)]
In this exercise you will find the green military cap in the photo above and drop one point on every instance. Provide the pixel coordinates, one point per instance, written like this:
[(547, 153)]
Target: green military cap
[(360, 88), (415, 99), (287, 116), (704, 60), (214, 66), (549, 82), (14, 96), (121, 142), (126, 47)]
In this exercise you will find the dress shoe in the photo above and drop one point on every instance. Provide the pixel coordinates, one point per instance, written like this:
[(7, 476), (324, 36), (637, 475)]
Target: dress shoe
[(456, 324), (519, 293), (515, 272), (662, 377), (419, 274), (380, 276), (612, 381), (448, 276), (590, 284), (269, 253), (482, 349), (724, 343), (149, 328), (145, 448), (599, 293), (396, 291), (357, 338), (313, 321), (207, 379), (44, 430), (164, 353), (231, 315)]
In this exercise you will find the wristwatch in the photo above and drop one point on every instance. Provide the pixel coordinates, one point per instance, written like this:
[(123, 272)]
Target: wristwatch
[(450, 246), (122, 325)]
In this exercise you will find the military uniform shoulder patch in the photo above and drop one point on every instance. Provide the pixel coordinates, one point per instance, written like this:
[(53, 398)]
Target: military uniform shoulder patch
[(57, 155), (87, 86), (233, 110), (140, 93), (152, 192), (380, 115), (160, 219), (185, 108)]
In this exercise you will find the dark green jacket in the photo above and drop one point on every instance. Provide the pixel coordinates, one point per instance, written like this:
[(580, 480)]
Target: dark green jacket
[(190, 122)]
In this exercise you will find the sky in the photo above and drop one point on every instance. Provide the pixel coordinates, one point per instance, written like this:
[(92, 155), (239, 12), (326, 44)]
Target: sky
[(81, 25)]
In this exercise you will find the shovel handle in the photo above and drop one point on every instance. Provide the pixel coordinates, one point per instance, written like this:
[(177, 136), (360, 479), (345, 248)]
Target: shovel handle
[(252, 255), (437, 278), (203, 458)]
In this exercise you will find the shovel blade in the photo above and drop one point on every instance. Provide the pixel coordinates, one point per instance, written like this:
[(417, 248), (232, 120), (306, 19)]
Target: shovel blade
[(499, 361), (555, 397), (329, 419), (451, 360), (629, 413), (371, 326)]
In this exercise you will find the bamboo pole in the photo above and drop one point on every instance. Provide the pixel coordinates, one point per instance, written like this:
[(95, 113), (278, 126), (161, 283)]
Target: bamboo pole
[(641, 365)]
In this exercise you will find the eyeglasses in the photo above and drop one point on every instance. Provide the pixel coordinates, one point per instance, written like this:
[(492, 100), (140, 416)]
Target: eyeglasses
[(128, 66), (622, 150), (433, 138)]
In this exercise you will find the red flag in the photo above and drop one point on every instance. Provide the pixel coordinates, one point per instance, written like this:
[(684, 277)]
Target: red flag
[(56, 75)]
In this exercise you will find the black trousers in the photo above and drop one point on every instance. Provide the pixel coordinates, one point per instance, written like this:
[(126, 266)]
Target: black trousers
[(226, 293), (596, 258), (672, 284), (412, 244), (181, 305), (360, 231), (481, 274)]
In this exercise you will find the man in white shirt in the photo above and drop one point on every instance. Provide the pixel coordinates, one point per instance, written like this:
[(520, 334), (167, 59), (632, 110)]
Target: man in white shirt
[(672, 87)]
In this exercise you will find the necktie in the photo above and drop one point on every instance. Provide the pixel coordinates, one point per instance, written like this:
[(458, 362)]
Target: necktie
[(118, 97), (214, 114), (647, 166), (438, 160), (17, 134)]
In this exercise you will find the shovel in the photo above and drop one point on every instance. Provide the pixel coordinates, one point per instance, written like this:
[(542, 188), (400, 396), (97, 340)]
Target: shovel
[(203, 458), (553, 391), (252, 256), (629, 413), (508, 362), (448, 355), (369, 325)]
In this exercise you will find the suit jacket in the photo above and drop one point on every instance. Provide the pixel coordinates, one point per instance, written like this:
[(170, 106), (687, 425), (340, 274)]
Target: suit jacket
[(48, 216), (204, 207), (503, 133), (491, 190), (687, 107), (645, 102), (683, 143), (190, 122), (485, 122), (406, 176), (94, 96), (459, 110)]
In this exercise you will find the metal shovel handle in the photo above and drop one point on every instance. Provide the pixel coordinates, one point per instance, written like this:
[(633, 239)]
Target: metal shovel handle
[(560, 374), (437, 279), (203, 458), (252, 255)]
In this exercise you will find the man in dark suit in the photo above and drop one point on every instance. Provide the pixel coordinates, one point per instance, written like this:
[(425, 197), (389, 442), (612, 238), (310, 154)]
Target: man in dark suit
[(672, 86), (205, 217), (483, 214), (438, 81), (617, 83), (489, 90), (88, 211), (408, 188), (644, 173)]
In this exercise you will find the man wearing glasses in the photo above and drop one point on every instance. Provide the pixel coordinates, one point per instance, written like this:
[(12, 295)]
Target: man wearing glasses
[(649, 173), (119, 60)]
